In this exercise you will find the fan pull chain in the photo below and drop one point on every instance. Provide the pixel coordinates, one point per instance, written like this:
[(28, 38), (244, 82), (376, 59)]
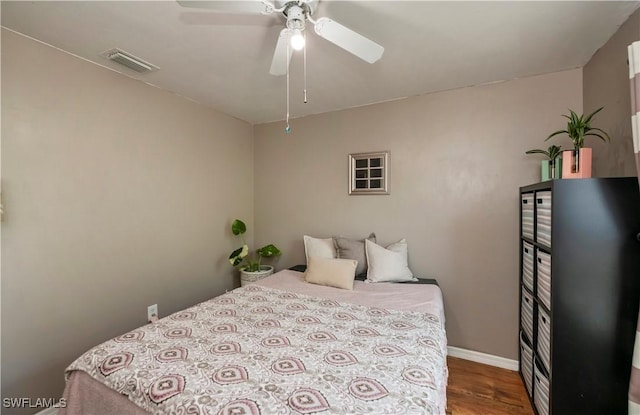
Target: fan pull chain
[(287, 129), (304, 51)]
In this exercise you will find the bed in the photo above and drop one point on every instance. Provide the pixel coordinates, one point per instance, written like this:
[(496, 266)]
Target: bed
[(278, 346)]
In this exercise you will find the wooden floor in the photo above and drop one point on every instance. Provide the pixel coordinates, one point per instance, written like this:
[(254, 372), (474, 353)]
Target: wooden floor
[(479, 389)]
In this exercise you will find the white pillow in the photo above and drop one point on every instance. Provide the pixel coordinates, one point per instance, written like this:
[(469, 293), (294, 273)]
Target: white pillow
[(388, 264), (319, 248), (338, 273)]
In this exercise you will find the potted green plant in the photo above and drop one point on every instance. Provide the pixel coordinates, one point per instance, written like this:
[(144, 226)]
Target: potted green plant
[(578, 128), (552, 166), (250, 265)]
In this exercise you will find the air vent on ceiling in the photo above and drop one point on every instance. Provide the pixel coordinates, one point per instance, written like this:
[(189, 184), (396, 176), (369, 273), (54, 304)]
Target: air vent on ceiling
[(128, 60)]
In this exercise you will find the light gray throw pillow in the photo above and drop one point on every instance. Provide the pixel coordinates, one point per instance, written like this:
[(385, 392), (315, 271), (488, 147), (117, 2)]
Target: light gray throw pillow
[(353, 249)]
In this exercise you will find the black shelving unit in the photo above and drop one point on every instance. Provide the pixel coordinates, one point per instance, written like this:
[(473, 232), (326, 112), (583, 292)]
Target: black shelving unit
[(585, 287)]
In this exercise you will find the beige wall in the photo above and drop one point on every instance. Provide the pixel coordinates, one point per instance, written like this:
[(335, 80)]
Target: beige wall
[(606, 83), (457, 161), (117, 195)]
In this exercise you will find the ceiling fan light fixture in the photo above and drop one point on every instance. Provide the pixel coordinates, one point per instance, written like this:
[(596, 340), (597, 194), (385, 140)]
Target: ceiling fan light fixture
[(297, 39), (297, 13)]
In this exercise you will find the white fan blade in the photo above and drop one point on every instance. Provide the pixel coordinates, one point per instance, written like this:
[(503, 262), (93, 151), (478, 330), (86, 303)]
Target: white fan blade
[(282, 54), (231, 6), (347, 39)]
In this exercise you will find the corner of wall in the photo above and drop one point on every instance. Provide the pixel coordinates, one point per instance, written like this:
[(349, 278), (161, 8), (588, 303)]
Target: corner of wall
[(606, 83)]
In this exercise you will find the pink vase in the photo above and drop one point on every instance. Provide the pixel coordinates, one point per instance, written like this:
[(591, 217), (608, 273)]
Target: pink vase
[(576, 168)]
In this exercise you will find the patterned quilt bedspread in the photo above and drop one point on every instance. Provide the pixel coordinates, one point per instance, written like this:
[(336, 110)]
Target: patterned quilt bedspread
[(258, 350)]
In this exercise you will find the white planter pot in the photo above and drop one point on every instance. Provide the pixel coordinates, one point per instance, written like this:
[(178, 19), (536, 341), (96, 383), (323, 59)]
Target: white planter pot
[(247, 277)]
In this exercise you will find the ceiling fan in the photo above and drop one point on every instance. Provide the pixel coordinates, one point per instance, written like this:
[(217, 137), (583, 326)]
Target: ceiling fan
[(297, 13)]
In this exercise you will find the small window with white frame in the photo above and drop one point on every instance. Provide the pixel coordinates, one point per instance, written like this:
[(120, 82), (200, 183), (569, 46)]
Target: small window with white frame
[(369, 173)]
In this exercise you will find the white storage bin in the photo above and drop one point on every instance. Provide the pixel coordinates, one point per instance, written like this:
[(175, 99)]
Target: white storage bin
[(540, 391), (526, 364), (544, 338), (527, 207), (543, 217), (527, 264), (543, 277), (526, 314)]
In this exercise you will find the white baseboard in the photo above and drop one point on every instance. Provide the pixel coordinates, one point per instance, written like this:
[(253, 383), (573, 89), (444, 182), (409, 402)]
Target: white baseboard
[(487, 359), (49, 411)]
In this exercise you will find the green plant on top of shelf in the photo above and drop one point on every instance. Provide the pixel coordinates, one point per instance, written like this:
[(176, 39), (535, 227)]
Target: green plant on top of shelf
[(580, 127), (552, 152)]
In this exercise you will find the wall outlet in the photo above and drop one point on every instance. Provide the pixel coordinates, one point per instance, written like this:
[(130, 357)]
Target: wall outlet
[(152, 313)]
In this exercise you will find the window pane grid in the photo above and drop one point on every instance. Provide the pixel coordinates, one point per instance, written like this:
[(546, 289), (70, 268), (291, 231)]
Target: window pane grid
[(368, 173)]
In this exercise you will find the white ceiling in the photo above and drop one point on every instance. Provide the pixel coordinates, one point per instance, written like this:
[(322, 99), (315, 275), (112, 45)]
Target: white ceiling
[(223, 60)]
